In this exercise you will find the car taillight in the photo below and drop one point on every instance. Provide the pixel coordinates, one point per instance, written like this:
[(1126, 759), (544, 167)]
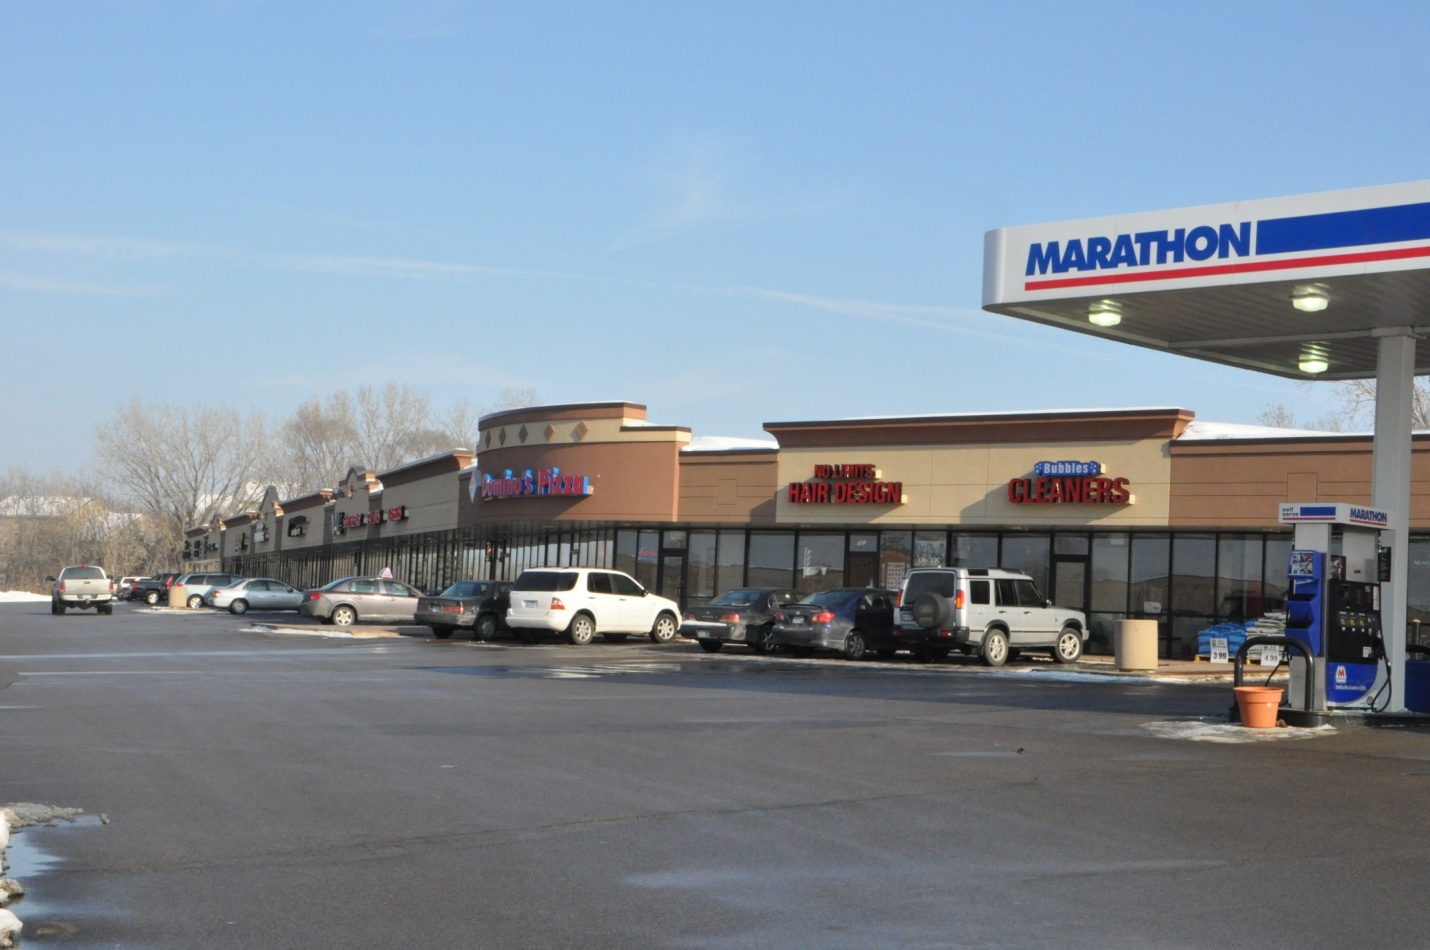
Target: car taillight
[(899, 599), (730, 618), (958, 600), (62, 586), (780, 616), (687, 616), (556, 604), (314, 594), (169, 583), (824, 616)]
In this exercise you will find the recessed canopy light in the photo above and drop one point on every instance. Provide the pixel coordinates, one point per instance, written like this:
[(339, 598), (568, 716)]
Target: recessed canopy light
[(1311, 298), (1314, 359), (1105, 313)]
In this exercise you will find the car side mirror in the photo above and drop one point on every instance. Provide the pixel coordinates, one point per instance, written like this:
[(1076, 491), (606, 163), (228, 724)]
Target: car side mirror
[(645, 592), (1047, 603), (49, 577)]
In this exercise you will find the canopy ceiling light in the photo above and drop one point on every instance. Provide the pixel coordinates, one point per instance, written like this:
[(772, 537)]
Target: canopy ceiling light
[(1310, 298), (1314, 359), (1105, 313)]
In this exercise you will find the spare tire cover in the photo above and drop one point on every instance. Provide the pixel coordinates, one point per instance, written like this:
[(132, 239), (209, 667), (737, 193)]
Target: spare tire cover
[(931, 611)]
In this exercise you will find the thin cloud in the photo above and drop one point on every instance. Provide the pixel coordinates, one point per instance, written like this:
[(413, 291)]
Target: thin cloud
[(11, 280)]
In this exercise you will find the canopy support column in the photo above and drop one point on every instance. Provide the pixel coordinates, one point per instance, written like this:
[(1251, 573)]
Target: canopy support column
[(1390, 489)]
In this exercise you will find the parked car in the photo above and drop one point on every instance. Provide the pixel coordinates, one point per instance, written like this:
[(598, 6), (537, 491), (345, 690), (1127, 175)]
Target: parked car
[(154, 589), (82, 587), (581, 602), (255, 593), (992, 612), (478, 606), (851, 621), (198, 586), (124, 589), (745, 615), (346, 601)]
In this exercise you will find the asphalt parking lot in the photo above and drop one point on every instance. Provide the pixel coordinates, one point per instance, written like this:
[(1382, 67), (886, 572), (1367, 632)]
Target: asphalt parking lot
[(292, 790)]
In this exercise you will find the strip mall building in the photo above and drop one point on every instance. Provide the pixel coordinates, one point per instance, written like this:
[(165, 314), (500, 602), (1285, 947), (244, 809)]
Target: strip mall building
[(1122, 513)]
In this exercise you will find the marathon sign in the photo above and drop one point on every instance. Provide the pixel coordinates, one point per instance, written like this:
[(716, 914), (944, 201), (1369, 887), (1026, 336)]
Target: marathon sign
[(1069, 483), (845, 485), (546, 481), (1385, 228)]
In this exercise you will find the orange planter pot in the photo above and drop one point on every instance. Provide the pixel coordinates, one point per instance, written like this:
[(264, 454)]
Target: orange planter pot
[(1258, 705)]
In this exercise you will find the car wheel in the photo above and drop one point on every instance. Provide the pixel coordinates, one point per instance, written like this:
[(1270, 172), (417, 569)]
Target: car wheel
[(854, 646), (106, 609), (151, 598), (995, 648), (710, 646), (344, 616), (238, 607), (614, 637), (582, 629), (887, 653), (54, 606), (195, 601), (441, 632), (486, 627), (1069, 646), (764, 641), (664, 630), (61, 607)]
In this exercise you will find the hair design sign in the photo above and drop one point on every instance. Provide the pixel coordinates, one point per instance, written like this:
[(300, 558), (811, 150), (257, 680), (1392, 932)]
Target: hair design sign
[(845, 485), (546, 481), (1069, 483)]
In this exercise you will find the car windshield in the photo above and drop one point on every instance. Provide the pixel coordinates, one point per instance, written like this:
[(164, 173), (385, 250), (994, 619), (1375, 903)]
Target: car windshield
[(922, 582), (829, 598), (736, 598), (545, 580), (466, 589)]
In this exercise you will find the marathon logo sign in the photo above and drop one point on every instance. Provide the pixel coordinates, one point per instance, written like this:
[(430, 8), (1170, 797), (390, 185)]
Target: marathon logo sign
[(1140, 249), (546, 481), (1069, 483), (845, 485)]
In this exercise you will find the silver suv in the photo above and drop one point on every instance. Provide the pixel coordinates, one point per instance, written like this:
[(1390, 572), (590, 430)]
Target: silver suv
[(992, 612)]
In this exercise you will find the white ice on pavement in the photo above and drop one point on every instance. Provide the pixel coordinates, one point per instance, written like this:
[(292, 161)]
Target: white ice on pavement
[(1207, 731), (21, 597), (297, 631)]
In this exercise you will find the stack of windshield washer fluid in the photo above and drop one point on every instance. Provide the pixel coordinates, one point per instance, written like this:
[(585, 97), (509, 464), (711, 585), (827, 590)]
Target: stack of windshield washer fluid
[(1272, 624)]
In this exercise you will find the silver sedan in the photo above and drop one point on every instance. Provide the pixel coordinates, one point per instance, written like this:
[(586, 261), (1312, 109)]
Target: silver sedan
[(256, 593)]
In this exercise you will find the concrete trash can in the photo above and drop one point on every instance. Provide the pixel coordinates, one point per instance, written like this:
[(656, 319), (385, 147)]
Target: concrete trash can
[(178, 595), (1136, 647)]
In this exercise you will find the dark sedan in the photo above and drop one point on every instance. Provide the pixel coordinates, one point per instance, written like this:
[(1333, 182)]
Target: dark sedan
[(745, 615), (848, 621), (478, 606)]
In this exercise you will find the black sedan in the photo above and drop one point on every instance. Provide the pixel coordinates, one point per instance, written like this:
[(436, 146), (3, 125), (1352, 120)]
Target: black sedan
[(850, 622), (745, 615), (478, 606)]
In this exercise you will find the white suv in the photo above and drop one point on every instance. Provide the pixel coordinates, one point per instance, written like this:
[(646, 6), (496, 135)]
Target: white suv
[(581, 601), (993, 612)]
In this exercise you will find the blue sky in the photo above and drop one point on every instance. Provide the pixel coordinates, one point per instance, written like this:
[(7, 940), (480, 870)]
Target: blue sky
[(733, 213)]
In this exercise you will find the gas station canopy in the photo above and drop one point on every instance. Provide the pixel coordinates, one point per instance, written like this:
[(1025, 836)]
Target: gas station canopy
[(1300, 287)]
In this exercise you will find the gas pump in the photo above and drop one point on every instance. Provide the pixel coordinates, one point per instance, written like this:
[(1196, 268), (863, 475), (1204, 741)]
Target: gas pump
[(1333, 605)]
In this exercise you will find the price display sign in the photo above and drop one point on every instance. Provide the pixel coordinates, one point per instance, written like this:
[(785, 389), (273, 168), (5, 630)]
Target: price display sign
[(1219, 652)]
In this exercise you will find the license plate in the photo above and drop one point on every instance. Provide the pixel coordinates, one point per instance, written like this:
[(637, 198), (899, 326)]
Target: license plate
[(529, 603), (907, 616), (797, 621)]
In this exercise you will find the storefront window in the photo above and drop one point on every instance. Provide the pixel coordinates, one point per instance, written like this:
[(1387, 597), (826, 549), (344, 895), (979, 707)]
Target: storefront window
[(1418, 600), (1273, 581), (1193, 573), (1028, 553), (674, 541), (1109, 572), (974, 550), (626, 547), (772, 560), (930, 548), (1151, 557), (647, 558), (1239, 574), (700, 567), (863, 566), (821, 563), (896, 554), (1070, 545), (731, 571)]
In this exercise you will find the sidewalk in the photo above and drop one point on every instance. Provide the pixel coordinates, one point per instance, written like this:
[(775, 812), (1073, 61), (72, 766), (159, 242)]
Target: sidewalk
[(1199, 670)]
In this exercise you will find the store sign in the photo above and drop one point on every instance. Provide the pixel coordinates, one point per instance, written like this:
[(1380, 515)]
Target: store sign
[(397, 513), (1069, 483), (260, 532), (297, 526), (845, 485), (546, 481)]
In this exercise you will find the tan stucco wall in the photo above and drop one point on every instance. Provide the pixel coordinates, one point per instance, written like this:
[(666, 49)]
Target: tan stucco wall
[(728, 488), (431, 505), (968, 484)]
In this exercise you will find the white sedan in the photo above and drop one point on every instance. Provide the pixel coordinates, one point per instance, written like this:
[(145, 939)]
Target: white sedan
[(256, 593)]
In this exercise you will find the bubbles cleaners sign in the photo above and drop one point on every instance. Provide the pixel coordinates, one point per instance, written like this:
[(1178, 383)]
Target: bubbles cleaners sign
[(1069, 483)]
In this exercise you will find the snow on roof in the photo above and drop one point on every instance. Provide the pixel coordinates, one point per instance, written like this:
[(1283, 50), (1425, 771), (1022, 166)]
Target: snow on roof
[(1197, 431), (1012, 412), (41, 506), (720, 443)]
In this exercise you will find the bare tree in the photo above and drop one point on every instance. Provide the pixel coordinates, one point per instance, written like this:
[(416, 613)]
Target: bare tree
[(1356, 398), (319, 441), (185, 464), (393, 425)]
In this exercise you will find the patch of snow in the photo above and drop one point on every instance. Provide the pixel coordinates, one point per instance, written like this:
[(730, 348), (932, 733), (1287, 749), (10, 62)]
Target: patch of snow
[(25, 814), (720, 443), (1225, 732), (1197, 431), (297, 631), (21, 597), (10, 928)]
